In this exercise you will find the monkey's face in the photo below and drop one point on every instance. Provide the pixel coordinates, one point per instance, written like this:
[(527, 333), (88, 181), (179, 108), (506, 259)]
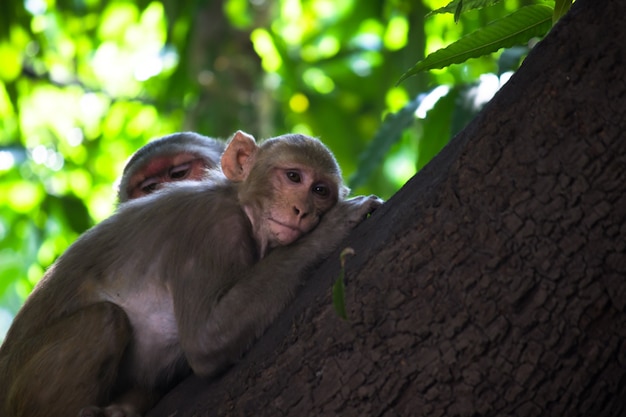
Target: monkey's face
[(168, 168), (300, 196)]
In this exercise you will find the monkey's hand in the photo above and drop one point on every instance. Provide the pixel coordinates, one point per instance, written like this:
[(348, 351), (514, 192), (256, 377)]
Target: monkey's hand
[(336, 225), (349, 213)]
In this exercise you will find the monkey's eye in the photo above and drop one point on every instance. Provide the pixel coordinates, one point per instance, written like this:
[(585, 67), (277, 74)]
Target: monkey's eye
[(149, 186), (293, 176), (321, 190), (180, 171)]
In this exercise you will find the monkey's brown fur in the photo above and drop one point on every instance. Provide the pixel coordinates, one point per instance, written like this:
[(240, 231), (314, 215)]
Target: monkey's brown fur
[(176, 282), (176, 157)]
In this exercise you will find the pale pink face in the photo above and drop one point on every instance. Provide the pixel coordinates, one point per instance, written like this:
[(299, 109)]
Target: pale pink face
[(164, 169), (300, 197)]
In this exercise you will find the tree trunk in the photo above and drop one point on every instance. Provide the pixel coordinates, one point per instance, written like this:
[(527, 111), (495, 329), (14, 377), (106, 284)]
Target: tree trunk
[(492, 284)]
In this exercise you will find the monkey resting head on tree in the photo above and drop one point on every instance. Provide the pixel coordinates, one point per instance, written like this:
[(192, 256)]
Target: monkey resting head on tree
[(180, 281), (175, 157)]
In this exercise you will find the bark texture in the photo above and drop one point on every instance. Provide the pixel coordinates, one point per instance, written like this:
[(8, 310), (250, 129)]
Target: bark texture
[(492, 284)]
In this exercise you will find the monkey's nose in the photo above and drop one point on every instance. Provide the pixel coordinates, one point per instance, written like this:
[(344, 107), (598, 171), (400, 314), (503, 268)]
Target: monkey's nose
[(300, 213)]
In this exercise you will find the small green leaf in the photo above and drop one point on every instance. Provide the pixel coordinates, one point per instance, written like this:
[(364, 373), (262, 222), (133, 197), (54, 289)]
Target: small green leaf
[(457, 12), (514, 29), (560, 8), (339, 288)]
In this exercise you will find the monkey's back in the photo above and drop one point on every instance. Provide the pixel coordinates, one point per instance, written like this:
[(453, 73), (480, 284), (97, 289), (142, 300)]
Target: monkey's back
[(132, 257)]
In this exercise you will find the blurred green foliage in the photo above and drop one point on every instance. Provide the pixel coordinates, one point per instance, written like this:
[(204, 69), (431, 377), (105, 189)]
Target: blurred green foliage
[(84, 83)]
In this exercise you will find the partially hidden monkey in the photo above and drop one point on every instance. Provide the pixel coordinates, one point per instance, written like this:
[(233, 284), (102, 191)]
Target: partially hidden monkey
[(176, 157), (180, 281)]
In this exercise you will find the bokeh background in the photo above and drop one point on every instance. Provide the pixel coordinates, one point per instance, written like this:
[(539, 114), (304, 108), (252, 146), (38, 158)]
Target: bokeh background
[(84, 83)]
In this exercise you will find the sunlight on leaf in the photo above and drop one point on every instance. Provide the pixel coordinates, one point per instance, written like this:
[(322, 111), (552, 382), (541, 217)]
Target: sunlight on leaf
[(326, 47), (116, 18), (11, 59), (400, 167), (110, 64), (238, 12), (318, 80), (24, 197), (397, 33), (430, 99), (7, 160), (264, 46), (299, 103), (396, 98)]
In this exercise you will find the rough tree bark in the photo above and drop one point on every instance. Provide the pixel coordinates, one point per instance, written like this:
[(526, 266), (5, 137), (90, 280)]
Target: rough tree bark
[(492, 284)]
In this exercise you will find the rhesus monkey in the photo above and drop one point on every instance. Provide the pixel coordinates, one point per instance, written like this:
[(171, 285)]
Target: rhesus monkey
[(179, 281), (175, 157)]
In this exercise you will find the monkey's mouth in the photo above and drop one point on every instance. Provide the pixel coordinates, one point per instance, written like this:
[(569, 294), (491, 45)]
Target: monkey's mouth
[(285, 233)]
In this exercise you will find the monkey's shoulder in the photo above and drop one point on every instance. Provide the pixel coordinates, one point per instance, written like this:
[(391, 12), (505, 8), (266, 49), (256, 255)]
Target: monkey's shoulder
[(192, 224), (180, 200), (205, 203), (197, 216)]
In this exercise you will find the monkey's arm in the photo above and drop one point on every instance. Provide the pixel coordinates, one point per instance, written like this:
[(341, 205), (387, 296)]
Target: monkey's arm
[(246, 310)]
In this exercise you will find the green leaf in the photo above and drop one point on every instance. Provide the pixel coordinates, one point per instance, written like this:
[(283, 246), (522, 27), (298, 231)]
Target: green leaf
[(339, 288), (514, 29), (461, 6), (457, 12), (560, 8)]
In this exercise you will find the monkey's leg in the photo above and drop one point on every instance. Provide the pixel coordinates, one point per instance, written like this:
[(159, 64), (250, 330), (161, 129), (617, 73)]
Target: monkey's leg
[(71, 364)]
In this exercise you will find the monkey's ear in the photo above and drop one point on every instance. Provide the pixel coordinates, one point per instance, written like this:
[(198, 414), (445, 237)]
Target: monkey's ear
[(238, 157)]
